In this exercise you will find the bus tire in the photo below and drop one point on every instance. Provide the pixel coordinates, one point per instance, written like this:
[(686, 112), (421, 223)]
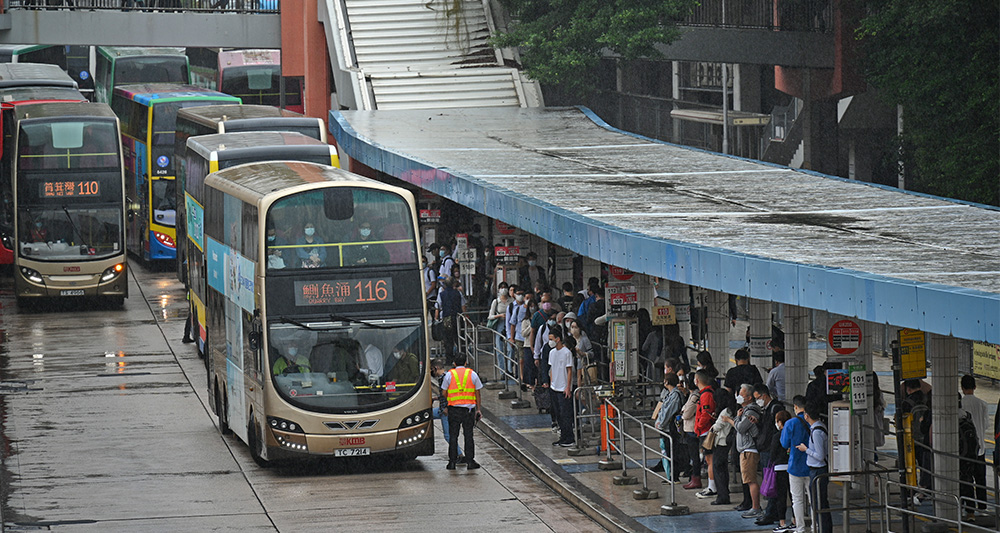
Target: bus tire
[(221, 404), (255, 441)]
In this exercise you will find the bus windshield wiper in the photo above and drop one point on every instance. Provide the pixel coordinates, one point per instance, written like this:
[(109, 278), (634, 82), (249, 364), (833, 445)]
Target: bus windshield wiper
[(356, 321), (75, 229)]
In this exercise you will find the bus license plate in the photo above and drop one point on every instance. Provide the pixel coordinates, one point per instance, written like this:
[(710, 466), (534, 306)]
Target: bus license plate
[(71, 292), (352, 452)]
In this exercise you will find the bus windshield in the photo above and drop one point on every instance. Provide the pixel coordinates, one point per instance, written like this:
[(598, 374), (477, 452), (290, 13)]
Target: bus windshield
[(67, 145), (165, 121), (151, 70), (259, 84), (69, 232), (346, 366), (340, 228), (164, 202)]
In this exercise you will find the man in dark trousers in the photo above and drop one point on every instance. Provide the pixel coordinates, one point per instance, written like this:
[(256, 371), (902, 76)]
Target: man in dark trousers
[(449, 306), (461, 387)]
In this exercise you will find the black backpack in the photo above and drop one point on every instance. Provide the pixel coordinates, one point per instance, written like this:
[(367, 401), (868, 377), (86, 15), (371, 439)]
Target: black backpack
[(968, 441)]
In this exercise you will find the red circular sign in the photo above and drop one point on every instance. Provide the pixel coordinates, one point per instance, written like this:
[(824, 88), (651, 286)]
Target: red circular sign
[(621, 274), (503, 227), (844, 337)]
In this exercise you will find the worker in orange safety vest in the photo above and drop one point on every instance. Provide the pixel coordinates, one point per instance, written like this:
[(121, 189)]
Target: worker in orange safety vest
[(461, 386)]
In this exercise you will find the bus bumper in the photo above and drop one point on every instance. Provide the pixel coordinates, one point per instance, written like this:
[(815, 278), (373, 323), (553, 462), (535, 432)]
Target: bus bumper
[(416, 440), (159, 251), (29, 283)]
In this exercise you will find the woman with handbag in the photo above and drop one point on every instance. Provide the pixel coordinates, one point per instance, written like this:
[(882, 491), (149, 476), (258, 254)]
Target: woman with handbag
[(725, 404), (778, 488), (496, 320)]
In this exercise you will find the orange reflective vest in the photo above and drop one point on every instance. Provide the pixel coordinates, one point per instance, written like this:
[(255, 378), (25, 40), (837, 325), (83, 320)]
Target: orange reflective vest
[(461, 390)]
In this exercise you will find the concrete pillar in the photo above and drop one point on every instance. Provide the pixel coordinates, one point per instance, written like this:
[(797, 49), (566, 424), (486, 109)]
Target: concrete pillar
[(796, 351), (944, 427), (680, 297), (718, 330), (760, 333)]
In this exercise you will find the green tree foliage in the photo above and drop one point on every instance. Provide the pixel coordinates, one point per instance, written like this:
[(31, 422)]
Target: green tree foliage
[(939, 59), (561, 41)]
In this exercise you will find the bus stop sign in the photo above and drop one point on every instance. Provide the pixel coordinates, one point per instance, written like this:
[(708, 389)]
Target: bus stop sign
[(845, 337)]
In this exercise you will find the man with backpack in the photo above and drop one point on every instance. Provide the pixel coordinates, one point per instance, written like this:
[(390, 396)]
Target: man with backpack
[(768, 436), (917, 404), (816, 453), (972, 441), (793, 436)]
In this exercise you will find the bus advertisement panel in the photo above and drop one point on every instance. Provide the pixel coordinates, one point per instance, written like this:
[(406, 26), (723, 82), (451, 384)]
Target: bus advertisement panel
[(323, 352)]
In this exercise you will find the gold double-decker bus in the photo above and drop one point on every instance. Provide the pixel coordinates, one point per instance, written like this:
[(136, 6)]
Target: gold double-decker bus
[(316, 337), (69, 203)]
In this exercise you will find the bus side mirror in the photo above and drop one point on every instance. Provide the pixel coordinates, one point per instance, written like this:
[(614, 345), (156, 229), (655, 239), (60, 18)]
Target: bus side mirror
[(254, 339)]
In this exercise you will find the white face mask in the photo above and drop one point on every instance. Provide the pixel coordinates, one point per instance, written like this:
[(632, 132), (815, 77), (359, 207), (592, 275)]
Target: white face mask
[(532, 263), (397, 354), (310, 231), (778, 426), (292, 352), (501, 294), (519, 298), (366, 232), (552, 344), (760, 402), (739, 399)]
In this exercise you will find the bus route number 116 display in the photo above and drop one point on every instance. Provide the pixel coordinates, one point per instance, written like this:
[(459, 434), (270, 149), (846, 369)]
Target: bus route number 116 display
[(343, 291)]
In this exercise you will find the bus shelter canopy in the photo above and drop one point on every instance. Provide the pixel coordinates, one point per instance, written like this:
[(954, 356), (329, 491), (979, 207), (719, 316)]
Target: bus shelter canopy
[(724, 223)]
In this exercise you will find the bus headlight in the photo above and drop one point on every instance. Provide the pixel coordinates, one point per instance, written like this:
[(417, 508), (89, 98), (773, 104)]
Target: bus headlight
[(31, 275), (110, 272), (7, 241), (416, 418), (413, 435), (280, 424)]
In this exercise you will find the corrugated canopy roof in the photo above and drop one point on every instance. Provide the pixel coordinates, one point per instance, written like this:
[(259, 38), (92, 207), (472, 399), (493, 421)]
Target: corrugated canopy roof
[(724, 223)]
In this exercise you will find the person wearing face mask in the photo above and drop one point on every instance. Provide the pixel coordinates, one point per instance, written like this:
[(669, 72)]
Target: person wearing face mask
[(403, 367), (540, 352), (363, 251), (445, 261), (495, 321), (779, 461), (275, 259), (765, 441), (532, 272), (561, 387), (290, 361), (310, 251), (747, 424), (39, 233), (515, 336)]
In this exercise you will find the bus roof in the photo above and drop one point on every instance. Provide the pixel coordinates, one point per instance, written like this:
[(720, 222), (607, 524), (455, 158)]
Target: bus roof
[(247, 141), (34, 75), (253, 181), (237, 58), (210, 115), (63, 109), (15, 49), (22, 95), (135, 51), (145, 93)]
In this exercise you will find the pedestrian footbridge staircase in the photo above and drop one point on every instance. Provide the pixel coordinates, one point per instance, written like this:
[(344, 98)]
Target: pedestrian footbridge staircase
[(419, 54)]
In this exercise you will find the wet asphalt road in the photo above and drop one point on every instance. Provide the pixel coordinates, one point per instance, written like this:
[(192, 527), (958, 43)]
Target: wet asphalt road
[(105, 427)]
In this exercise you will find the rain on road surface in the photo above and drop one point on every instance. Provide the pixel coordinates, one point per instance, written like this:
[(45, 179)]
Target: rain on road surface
[(104, 427)]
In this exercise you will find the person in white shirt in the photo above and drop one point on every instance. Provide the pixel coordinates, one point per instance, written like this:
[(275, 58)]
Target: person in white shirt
[(776, 377), (980, 418), (561, 383), (374, 362)]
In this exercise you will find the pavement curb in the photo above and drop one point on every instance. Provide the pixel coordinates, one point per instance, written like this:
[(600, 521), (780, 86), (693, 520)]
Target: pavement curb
[(556, 478)]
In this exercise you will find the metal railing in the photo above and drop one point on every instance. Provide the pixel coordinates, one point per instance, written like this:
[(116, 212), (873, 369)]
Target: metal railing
[(616, 418), (778, 15), (201, 6), (963, 501), (476, 340), (868, 506)]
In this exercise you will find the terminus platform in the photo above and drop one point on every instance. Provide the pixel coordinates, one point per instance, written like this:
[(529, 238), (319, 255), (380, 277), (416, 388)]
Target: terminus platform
[(701, 218)]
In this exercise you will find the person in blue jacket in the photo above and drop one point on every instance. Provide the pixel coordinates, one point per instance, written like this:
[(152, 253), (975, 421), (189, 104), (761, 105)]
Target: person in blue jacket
[(795, 432)]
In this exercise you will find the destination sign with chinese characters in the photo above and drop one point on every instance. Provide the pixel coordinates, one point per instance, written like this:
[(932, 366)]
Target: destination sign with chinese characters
[(63, 189), (343, 292)]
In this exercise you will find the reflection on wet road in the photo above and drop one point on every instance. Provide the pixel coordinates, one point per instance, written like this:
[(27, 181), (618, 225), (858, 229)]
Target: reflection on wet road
[(104, 426)]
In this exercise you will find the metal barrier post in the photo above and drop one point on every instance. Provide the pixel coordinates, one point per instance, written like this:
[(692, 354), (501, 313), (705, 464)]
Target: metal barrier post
[(608, 463), (672, 509), (624, 478)]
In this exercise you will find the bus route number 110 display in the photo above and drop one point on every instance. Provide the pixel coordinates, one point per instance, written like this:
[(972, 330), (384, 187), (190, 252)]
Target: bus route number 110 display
[(63, 189), (343, 291)]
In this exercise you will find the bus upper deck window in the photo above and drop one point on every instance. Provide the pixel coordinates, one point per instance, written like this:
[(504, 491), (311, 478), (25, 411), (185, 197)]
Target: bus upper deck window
[(338, 203), (67, 135), (259, 79)]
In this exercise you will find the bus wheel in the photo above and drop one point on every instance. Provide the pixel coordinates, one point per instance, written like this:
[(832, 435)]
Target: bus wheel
[(221, 410), (255, 441)]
